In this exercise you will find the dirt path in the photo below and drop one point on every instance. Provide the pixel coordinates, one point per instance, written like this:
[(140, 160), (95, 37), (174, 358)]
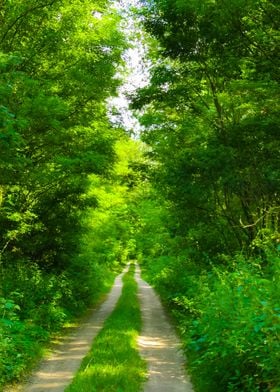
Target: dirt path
[(57, 371), (160, 346)]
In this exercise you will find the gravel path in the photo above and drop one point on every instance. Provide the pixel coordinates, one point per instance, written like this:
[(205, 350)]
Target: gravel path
[(160, 346), (57, 371)]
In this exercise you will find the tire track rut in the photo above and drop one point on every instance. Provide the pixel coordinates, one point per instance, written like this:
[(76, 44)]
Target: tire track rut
[(160, 346)]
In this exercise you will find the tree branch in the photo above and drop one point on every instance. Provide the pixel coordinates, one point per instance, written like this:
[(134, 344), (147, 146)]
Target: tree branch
[(23, 15)]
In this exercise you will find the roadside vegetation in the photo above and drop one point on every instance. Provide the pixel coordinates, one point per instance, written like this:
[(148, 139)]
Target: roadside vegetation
[(228, 318), (114, 364)]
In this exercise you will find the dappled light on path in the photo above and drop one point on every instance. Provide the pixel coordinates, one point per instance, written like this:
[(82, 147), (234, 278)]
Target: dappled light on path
[(146, 341), (160, 346)]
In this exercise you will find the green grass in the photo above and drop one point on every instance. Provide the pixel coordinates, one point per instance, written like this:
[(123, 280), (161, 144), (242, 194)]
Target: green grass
[(114, 364)]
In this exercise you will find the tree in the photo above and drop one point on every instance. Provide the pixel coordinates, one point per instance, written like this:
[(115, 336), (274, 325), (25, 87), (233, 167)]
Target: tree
[(57, 69), (210, 118)]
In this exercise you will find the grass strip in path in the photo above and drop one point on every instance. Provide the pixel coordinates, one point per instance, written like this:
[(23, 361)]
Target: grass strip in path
[(113, 363)]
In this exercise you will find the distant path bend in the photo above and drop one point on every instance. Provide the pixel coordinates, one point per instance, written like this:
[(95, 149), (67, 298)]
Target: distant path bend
[(160, 346), (57, 371)]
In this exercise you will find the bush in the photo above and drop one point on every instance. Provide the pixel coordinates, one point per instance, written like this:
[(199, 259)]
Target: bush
[(234, 343), (19, 344), (41, 305)]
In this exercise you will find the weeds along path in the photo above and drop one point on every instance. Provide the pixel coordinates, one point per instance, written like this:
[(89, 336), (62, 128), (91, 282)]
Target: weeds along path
[(159, 345), (57, 371)]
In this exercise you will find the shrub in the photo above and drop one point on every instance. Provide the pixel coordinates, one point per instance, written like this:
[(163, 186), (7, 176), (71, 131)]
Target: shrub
[(19, 343)]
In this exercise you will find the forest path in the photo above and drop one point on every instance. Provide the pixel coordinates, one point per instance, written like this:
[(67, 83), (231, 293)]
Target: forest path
[(56, 372), (159, 345)]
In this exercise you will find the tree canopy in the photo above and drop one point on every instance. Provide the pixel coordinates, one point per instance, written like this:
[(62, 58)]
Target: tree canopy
[(210, 114), (58, 65)]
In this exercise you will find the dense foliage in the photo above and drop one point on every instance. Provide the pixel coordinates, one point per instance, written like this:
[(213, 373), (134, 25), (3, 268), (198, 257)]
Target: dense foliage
[(211, 118)]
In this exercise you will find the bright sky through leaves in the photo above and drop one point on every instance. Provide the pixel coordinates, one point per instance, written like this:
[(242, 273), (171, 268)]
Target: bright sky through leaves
[(136, 69)]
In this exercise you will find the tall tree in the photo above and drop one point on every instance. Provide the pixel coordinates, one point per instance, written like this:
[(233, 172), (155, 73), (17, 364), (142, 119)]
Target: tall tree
[(211, 117), (58, 63)]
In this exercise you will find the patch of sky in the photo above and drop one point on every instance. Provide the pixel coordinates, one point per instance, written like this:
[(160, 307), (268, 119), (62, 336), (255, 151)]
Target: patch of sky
[(135, 71)]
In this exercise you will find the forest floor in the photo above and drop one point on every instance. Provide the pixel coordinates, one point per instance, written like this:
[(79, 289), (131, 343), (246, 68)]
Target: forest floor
[(158, 344)]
